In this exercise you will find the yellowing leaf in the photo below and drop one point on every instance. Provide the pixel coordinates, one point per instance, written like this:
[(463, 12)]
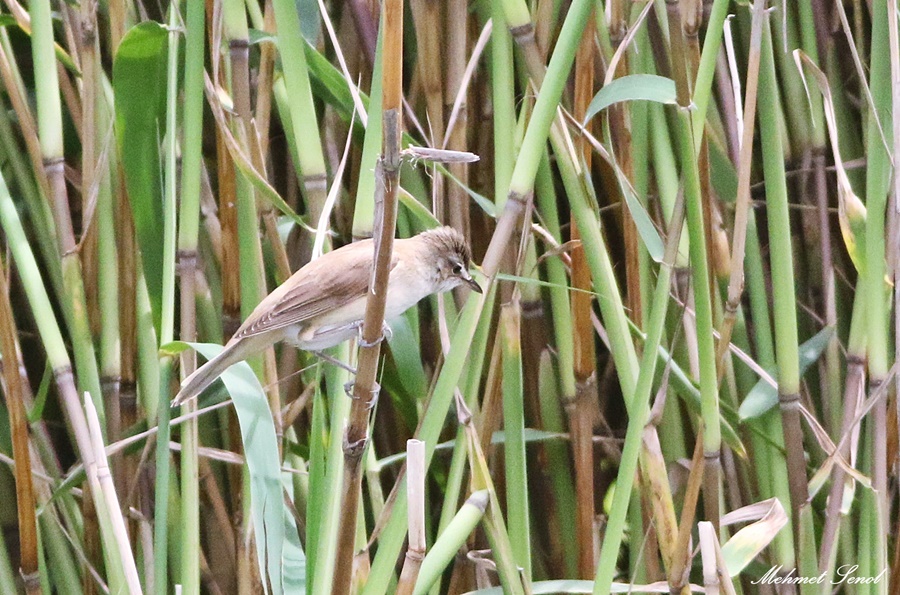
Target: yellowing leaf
[(851, 210)]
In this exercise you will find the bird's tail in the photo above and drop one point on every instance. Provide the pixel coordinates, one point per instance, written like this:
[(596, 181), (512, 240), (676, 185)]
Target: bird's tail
[(206, 374)]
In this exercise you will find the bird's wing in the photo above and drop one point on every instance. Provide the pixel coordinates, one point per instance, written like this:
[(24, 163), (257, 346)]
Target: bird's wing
[(332, 281)]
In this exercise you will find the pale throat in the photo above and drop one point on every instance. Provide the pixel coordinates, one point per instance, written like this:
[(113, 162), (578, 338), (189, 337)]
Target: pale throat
[(408, 286)]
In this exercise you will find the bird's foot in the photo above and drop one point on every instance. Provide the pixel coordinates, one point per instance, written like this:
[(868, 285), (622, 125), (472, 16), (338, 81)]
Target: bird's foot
[(349, 389), (386, 334), (335, 361), (357, 447)]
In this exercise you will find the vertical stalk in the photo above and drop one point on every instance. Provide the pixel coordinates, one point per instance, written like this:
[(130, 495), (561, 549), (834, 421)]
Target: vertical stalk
[(50, 132), (415, 488), (514, 428), (239, 56), (189, 208), (250, 208), (50, 129), (504, 102), (457, 200), (426, 16), (584, 358), (878, 179), (786, 343), (563, 395), (742, 209), (365, 387), (185, 259), (640, 408), (228, 219), (830, 381), (253, 289), (302, 109), (328, 512), (620, 138), (854, 388), (263, 114), (170, 200), (712, 41), (251, 271), (96, 189), (712, 437), (14, 384), (564, 550), (893, 240), (768, 444), (127, 321)]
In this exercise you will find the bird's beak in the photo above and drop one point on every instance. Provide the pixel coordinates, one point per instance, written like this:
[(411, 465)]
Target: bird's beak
[(471, 282)]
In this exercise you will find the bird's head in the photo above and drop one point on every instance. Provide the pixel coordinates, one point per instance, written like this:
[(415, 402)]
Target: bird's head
[(450, 258)]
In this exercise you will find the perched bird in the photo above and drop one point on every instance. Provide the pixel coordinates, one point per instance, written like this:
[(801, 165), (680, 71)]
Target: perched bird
[(324, 303)]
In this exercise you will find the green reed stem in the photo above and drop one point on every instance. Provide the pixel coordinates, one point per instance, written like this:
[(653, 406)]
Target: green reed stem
[(514, 430), (640, 410), (786, 339)]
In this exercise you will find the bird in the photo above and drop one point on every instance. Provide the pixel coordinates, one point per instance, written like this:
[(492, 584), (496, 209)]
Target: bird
[(323, 304)]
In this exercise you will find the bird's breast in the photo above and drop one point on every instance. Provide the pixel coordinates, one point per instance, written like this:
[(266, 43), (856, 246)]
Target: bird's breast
[(406, 287)]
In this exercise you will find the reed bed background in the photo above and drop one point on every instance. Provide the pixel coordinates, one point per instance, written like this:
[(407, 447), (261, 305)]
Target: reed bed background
[(681, 373)]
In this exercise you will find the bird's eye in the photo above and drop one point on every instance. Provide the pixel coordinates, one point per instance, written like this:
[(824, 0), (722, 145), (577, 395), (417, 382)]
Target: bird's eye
[(457, 269)]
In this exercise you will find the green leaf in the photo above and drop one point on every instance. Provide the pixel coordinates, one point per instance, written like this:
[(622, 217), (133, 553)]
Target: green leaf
[(404, 342), (255, 36), (539, 283), (40, 398), (139, 64), (631, 88), (529, 435), (722, 172), (764, 396), (418, 210), (293, 571), (282, 557), (487, 205), (310, 19), (642, 220), (329, 84), (634, 87)]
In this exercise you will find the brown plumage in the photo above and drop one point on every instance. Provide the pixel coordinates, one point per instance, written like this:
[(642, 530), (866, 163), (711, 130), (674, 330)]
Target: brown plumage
[(323, 303)]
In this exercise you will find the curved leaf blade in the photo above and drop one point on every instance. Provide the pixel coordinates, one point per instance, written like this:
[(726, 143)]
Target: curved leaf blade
[(764, 396), (273, 524), (634, 87)]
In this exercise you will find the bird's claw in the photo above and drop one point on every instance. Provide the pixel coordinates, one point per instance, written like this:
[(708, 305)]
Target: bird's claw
[(372, 401), (386, 334), (355, 447)]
